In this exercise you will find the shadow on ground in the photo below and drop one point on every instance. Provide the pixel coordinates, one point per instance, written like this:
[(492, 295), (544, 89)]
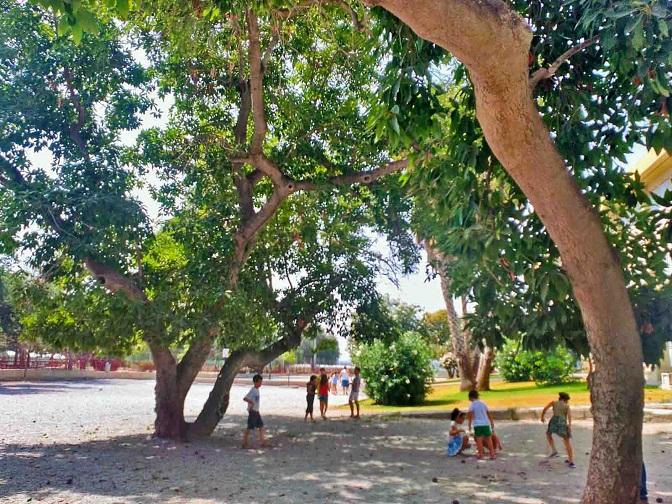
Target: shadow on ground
[(26, 388), (349, 461)]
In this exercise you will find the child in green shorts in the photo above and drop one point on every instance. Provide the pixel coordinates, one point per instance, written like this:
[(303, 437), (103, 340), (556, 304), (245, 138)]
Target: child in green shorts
[(484, 425)]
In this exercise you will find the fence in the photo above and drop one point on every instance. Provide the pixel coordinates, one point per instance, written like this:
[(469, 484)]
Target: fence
[(23, 360)]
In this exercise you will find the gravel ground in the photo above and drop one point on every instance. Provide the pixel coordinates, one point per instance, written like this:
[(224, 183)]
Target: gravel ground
[(89, 442)]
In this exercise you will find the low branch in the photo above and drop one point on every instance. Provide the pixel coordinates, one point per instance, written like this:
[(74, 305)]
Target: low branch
[(193, 360), (362, 177), (545, 73)]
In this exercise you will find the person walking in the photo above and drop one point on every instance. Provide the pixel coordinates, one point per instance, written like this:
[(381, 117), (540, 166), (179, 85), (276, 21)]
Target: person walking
[(345, 380), (323, 393)]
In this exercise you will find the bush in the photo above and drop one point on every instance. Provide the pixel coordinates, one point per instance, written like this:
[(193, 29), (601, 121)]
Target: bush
[(513, 363), (545, 368), (398, 373)]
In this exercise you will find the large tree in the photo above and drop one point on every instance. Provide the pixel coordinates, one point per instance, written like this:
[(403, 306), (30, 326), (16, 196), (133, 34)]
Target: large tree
[(266, 137), (494, 41)]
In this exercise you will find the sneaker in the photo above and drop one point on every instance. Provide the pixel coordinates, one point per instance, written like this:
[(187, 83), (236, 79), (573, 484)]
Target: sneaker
[(571, 465), (553, 455)]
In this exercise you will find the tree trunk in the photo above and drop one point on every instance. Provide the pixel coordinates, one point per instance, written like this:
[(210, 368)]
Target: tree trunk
[(169, 399), (485, 368), (494, 43), (458, 337), (218, 400)]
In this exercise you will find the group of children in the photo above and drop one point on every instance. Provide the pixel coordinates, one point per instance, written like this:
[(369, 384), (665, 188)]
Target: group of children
[(313, 387), (483, 423), (322, 389)]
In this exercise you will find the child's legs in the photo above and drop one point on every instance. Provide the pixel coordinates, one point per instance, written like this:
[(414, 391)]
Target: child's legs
[(568, 447), (261, 436), (357, 403), (465, 443), (246, 436), (352, 408), (479, 447), (549, 438), (490, 445)]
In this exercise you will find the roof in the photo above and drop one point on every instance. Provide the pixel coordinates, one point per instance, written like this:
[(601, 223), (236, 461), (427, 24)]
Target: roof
[(654, 169)]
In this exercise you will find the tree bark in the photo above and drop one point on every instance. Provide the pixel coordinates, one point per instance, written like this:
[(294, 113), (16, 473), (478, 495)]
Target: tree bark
[(458, 337), (485, 368), (169, 399), (494, 42)]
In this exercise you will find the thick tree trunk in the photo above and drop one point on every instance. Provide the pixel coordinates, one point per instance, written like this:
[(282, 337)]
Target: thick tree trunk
[(493, 42), (458, 337), (485, 368), (169, 401)]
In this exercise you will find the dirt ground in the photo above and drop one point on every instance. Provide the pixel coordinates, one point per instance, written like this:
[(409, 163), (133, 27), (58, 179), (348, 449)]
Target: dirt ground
[(89, 442)]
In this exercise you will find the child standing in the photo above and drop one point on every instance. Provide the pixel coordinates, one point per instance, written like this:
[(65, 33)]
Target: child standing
[(334, 383), (484, 425), (311, 388), (345, 380), (354, 394), (561, 425), (254, 421), (323, 392), (458, 439)]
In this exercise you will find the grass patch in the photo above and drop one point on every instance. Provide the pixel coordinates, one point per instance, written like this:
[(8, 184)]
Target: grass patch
[(507, 395)]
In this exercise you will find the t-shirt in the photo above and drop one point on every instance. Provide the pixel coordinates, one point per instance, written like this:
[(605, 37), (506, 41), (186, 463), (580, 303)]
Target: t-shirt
[(355, 383), (460, 434), (253, 396), (560, 408), (344, 375), (480, 412), (310, 388)]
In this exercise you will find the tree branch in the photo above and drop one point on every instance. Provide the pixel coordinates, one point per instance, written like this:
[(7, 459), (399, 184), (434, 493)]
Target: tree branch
[(546, 73), (362, 177), (256, 85), (193, 360), (114, 281)]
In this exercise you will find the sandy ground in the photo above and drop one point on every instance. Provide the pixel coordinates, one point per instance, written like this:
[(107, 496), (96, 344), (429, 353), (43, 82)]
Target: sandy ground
[(88, 442)]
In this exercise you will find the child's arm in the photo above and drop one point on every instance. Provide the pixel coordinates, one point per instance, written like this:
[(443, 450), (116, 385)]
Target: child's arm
[(569, 419), (543, 413), (454, 431), (492, 420)]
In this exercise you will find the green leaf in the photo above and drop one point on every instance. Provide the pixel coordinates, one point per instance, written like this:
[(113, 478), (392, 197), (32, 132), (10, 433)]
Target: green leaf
[(123, 8), (77, 33), (88, 21), (663, 28), (394, 124), (638, 39)]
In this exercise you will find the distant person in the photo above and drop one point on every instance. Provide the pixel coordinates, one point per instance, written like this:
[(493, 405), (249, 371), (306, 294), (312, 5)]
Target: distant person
[(484, 425), (345, 380), (334, 383), (353, 399), (323, 393), (561, 425), (311, 388), (458, 439), (254, 421)]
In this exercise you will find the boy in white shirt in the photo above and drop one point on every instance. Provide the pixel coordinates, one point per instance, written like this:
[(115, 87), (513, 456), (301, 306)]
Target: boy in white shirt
[(254, 417), (484, 425)]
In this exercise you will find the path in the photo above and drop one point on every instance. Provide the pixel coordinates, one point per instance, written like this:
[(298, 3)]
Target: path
[(88, 442)]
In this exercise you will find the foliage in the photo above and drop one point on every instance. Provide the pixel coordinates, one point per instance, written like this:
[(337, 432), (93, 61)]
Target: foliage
[(387, 319), (396, 373), (544, 367), (324, 349)]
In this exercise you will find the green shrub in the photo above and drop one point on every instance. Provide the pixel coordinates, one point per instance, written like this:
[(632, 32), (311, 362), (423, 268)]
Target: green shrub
[(551, 368), (513, 363), (396, 373), (544, 368)]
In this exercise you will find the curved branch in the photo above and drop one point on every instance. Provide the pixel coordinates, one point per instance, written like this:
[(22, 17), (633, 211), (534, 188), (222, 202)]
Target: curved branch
[(548, 72)]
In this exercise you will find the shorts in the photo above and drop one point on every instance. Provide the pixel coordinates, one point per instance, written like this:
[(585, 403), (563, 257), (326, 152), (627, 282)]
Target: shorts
[(482, 431), (558, 425), (254, 420), (354, 396), (345, 383), (310, 399), (324, 398)]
